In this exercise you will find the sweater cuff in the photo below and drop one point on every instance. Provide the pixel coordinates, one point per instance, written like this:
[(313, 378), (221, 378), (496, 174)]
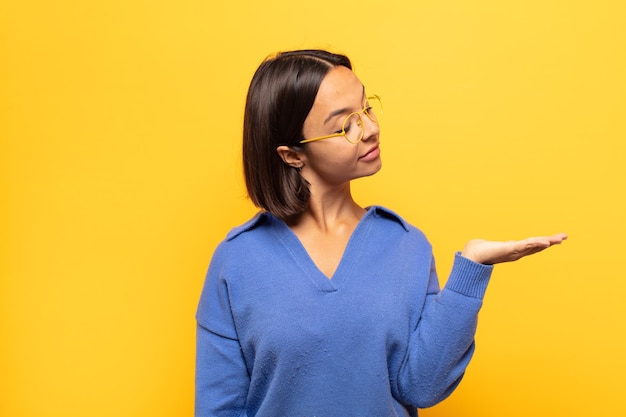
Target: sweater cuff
[(468, 277)]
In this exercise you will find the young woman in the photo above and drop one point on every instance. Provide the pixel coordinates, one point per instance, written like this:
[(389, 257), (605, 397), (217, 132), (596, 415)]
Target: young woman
[(318, 307)]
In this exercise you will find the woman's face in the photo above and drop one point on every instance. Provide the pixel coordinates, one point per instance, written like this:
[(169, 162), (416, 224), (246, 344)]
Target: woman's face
[(335, 161)]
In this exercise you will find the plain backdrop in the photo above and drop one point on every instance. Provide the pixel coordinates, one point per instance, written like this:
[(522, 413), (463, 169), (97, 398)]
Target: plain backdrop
[(120, 128)]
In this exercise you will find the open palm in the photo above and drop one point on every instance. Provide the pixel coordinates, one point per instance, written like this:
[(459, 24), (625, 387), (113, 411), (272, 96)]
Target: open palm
[(494, 252)]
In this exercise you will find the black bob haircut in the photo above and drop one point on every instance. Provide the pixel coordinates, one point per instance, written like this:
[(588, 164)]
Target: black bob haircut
[(280, 97)]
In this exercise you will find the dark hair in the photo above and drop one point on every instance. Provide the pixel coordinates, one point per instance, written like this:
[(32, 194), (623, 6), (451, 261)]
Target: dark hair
[(279, 99)]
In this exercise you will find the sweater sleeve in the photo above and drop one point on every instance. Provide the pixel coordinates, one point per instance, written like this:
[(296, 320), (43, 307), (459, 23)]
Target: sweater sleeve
[(222, 379), (442, 344)]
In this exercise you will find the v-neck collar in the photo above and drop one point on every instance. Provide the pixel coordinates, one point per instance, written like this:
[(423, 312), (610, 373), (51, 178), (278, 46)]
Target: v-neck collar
[(300, 255)]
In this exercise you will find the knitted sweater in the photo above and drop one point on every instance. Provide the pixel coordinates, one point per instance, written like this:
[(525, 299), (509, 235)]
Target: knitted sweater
[(277, 338)]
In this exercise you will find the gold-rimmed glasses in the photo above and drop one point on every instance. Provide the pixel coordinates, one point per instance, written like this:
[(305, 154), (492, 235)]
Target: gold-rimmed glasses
[(352, 126)]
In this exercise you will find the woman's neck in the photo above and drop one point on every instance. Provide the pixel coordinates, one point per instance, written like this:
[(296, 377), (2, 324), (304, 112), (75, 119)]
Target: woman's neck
[(334, 209)]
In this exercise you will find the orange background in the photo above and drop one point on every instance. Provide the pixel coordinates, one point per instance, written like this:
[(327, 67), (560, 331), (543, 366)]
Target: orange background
[(120, 125)]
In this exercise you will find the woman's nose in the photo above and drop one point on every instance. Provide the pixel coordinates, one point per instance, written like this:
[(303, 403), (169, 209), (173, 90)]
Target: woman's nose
[(371, 129)]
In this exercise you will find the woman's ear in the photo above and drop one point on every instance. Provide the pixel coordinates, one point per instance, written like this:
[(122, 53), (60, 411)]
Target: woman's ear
[(290, 156)]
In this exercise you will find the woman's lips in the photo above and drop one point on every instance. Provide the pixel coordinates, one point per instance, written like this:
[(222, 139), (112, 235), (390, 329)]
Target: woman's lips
[(372, 154)]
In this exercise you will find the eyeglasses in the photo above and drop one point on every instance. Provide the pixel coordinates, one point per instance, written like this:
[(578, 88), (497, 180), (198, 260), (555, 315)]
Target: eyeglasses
[(352, 126)]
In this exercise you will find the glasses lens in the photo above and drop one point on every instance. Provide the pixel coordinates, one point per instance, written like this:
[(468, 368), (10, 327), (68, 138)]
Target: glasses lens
[(374, 108), (353, 126)]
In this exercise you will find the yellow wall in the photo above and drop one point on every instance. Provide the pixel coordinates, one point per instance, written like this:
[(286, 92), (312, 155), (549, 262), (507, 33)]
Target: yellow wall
[(120, 127)]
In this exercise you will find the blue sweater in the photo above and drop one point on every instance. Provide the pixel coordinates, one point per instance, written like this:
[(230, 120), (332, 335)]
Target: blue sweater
[(277, 338)]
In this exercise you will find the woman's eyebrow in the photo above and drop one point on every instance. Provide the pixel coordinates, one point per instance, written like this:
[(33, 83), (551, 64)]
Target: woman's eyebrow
[(341, 111), (336, 113)]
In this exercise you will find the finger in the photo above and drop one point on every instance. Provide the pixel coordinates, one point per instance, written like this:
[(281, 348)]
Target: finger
[(560, 237), (533, 242), (549, 240)]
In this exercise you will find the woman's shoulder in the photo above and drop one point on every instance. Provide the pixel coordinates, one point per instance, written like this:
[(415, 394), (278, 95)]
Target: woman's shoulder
[(262, 217), (249, 237), (390, 217)]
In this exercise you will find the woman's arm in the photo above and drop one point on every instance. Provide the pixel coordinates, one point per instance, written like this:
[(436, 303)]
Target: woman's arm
[(441, 346), (221, 377)]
